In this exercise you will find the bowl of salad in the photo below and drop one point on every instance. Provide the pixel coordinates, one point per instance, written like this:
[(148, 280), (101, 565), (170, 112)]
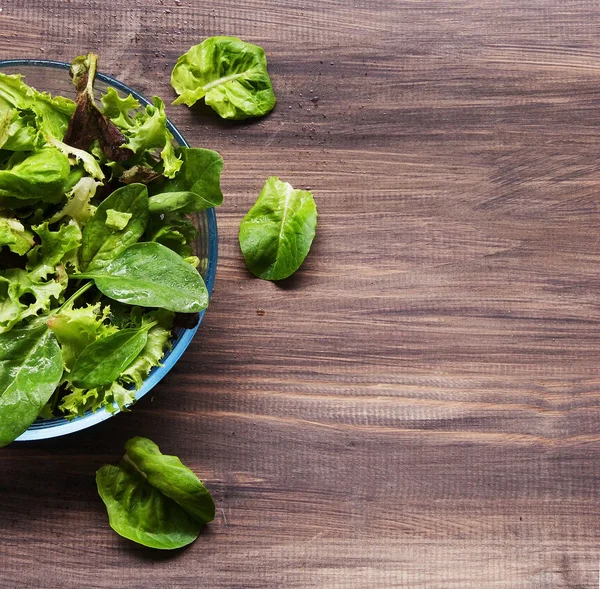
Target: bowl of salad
[(108, 245)]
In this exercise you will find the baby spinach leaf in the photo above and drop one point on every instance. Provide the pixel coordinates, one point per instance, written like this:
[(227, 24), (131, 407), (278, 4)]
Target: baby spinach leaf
[(229, 74), (151, 275), (201, 174), (184, 202), (171, 478), (153, 499), (140, 512), (75, 329), (102, 241), (101, 363), (276, 234), (30, 369)]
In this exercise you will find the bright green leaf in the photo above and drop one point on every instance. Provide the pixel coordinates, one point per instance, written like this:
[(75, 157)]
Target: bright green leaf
[(276, 234), (229, 74)]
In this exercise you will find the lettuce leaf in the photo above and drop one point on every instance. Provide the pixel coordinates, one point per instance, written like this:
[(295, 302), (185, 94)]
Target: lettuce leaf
[(40, 175), (145, 130), (14, 235), (29, 292), (229, 74)]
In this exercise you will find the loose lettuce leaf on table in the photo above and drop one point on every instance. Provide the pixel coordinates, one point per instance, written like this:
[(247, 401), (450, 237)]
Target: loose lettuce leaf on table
[(153, 499), (229, 74), (276, 234), (171, 478), (141, 513), (30, 369), (145, 130)]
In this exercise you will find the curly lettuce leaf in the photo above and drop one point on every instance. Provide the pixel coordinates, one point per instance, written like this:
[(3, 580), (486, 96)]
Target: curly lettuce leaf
[(229, 74), (78, 206), (145, 130), (75, 329), (22, 297), (18, 131), (56, 248), (14, 235), (40, 287)]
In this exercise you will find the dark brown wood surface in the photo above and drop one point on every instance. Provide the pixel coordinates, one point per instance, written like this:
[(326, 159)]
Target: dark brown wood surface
[(418, 407)]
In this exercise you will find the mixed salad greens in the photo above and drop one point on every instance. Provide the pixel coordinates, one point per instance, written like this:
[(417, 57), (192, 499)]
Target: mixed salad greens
[(97, 263), (96, 254)]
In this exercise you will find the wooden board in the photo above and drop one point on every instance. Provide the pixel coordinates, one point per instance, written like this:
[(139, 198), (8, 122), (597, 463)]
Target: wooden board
[(418, 407)]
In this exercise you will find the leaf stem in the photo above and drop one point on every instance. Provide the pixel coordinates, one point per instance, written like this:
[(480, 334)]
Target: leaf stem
[(75, 296)]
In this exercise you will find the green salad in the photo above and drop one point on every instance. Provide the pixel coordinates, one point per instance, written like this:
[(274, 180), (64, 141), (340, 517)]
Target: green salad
[(96, 256)]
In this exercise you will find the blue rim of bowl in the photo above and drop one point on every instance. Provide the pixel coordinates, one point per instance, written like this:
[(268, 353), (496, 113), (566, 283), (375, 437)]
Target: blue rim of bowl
[(52, 429)]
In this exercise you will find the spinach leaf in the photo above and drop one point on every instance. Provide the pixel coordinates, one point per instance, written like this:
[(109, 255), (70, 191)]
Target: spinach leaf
[(102, 241), (171, 478), (101, 363), (229, 74), (139, 512), (276, 234), (153, 499), (151, 275), (167, 202), (201, 174), (30, 369), (77, 328)]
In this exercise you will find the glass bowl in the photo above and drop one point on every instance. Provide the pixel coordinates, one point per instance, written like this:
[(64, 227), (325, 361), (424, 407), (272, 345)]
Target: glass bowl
[(53, 77)]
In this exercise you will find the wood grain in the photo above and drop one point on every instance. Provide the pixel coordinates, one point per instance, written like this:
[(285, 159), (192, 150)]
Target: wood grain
[(418, 407)]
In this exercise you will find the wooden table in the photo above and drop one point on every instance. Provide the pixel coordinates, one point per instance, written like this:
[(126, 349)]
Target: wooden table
[(418, 407)]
